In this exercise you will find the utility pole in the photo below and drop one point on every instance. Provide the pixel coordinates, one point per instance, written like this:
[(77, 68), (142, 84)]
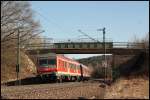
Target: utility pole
[(104, 47), (18, 58)]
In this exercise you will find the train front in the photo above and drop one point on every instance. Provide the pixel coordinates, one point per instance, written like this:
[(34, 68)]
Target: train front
[(46, 68)]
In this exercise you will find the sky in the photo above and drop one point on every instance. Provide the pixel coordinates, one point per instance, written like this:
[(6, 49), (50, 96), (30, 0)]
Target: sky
[(122, 19)]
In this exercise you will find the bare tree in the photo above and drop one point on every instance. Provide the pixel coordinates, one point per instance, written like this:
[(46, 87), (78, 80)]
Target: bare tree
[(145, 40), (17, 15)]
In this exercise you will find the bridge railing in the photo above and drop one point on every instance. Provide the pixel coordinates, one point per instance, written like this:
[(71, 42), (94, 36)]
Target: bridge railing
[(40, 46), (115, 45), (79, 40), (128, 45), (49, 42)]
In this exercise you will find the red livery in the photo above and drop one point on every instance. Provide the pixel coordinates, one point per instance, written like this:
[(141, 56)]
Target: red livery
[(58, 67)]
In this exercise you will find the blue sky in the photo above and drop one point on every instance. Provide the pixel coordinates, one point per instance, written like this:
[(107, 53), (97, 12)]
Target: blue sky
[(122, 19)]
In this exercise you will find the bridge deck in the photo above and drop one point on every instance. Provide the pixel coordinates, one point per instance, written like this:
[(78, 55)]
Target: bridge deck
[(117, 51), (119, 48)]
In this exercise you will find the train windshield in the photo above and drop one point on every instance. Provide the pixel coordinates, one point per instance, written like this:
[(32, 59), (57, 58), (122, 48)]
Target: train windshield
[(43, 62), (52, 61)]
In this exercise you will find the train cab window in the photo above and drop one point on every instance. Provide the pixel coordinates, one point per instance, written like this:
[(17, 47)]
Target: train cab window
[(51, 61), (43, 62)]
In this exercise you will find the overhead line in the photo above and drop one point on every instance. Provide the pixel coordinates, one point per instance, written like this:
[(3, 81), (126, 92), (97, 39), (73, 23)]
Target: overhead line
[(45, 18), (88, 36)]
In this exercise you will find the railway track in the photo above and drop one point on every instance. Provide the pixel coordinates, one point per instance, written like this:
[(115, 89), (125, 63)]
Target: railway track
[(53, 91)]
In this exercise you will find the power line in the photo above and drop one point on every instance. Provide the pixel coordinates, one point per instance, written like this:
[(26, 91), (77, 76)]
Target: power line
[(47, 20), (87, 36)]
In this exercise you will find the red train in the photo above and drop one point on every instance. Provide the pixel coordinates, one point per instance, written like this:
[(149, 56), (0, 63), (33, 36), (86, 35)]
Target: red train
[(59, 68)]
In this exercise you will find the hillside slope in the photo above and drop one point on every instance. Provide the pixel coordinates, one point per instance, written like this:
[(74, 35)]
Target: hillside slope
[(8, 65), (124, 65)]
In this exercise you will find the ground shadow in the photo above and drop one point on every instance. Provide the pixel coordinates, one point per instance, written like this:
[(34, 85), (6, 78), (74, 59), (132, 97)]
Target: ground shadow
[(28, 81), (131, 66), (31, 81)]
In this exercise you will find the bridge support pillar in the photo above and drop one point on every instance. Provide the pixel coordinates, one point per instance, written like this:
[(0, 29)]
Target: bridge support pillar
[(113, 66), (113, 60)]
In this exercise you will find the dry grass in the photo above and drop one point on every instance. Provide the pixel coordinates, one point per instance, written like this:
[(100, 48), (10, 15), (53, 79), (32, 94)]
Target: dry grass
[(129, 88), (8, 65)]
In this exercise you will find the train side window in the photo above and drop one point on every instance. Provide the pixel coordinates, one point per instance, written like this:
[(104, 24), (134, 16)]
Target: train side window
[(59, 63), (69, 66), (66, 65), (63, 64), (77, 67), (74, 67)]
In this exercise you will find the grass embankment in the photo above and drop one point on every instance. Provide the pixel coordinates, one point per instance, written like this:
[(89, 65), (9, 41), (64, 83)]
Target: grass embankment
[(131, 88)]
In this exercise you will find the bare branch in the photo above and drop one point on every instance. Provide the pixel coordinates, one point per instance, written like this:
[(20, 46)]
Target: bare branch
[(17, 15)]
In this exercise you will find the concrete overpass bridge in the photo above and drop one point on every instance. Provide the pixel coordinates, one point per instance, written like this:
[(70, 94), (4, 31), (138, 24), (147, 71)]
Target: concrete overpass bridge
[(85, 47)]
